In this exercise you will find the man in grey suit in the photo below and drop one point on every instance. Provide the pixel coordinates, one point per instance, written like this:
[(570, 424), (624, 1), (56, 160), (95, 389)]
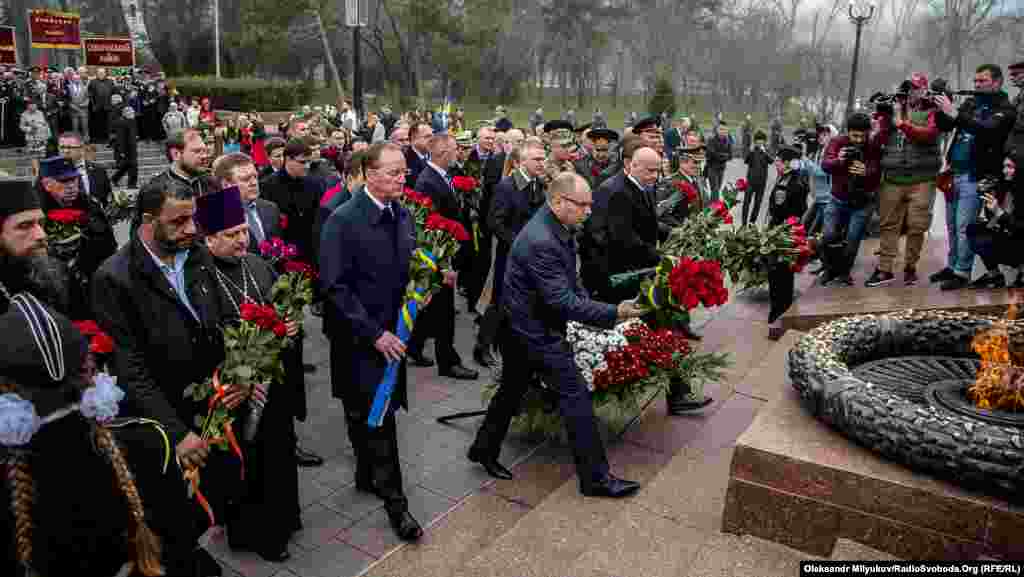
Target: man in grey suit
[(78, 105)]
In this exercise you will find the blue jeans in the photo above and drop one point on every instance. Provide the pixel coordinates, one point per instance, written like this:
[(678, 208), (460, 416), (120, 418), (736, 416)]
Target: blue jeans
[(961, 212), (838, 216)]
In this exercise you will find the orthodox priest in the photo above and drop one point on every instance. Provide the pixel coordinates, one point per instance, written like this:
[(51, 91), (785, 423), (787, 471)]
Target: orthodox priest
[(268, 513)]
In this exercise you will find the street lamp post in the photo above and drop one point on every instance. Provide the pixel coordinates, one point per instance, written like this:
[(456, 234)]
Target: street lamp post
[(859, 15), (216, 35)]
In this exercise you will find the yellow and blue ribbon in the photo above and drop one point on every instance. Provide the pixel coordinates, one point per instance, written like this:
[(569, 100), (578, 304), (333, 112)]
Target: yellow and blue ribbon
[(406, 319)]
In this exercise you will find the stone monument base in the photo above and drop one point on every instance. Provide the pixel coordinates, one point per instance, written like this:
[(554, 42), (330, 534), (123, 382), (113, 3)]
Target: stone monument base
[(797, 482)]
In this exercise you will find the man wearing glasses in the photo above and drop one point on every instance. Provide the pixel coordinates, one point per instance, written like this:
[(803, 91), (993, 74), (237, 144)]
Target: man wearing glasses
[(94, 180), (541, 295)]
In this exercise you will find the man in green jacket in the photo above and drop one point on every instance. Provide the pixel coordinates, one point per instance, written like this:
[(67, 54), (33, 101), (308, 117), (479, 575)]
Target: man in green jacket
[(910, 160)]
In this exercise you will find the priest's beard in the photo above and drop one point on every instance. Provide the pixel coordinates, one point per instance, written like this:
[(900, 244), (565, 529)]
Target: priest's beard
[(43, 276)]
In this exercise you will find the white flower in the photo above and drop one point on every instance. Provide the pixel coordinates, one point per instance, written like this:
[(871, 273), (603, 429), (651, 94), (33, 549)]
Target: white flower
[(100, 400), (18, 420)]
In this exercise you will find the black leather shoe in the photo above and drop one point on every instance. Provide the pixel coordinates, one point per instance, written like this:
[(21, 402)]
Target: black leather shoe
[(305, 458), (205, 564), (405, 526), (491, 465), (611, 486), (483, 357), (275, 555), (308, 368), (317, 309), (419, 359), (956, 283), (460, 372)]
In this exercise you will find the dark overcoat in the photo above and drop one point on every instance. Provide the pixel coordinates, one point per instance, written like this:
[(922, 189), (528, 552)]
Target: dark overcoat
[(364, 268)]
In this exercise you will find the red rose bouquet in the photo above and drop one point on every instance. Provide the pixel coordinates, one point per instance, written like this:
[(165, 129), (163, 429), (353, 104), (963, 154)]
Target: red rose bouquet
[(293, 289), (64, 225), (418, 205), (252, 360), (465, 183), (437, 242), (681, 285)]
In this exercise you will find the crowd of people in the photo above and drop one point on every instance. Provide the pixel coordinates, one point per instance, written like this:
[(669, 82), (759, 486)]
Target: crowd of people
[(548, 200)]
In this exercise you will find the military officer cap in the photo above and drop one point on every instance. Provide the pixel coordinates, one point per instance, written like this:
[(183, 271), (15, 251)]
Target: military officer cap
[(645, 124), (691, 152), (1016, 66), (58, 168), (604, 134), (787, 153), (503, 125), (560, 132), (583, 128), (35, 69), (500, 110), (464, 138)]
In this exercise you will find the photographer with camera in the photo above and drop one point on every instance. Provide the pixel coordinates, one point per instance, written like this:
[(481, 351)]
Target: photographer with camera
[(980, 128), (910, 161), (1016, 140), (997, 234), (854, 161)]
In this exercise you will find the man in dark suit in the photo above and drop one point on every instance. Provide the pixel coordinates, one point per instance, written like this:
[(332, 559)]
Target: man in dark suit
[(486, 161), (264, 220), (418, 153), (516, 198), (541, 295), (94, 180), (594, 243), (438, 319), (297, 195), (367, 244), (632, 225)]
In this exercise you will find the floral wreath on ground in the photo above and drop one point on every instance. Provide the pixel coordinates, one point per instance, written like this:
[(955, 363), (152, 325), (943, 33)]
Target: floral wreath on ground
[(628, 365)]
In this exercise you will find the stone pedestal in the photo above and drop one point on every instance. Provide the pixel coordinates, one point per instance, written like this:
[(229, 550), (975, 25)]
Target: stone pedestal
[(795, 481)]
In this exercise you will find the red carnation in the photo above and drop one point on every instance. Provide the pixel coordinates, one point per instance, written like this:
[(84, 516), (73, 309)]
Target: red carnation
[(249, 311), (283, 222), (741, 184), (101, 344), (687, 190), (87, 328), (280, 329), (792, 221), (464, 183), (67, 216), (719, 209)]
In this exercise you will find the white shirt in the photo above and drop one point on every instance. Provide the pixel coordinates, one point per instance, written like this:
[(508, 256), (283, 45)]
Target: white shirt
[(376, 202)]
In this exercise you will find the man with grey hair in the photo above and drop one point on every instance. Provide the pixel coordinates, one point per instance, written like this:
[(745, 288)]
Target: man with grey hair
[(541, 296)]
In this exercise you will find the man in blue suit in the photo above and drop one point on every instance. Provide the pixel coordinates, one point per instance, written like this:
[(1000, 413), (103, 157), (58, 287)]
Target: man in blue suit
[(438, 318), (541, 295), (364, 263)]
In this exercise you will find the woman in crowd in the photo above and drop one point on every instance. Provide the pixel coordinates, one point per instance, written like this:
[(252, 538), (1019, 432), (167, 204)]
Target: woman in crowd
[(997, 234), (821, 182)]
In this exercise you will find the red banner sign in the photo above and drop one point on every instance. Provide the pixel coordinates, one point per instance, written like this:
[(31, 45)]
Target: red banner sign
[(51, 29), (109, 52), (8, 46)]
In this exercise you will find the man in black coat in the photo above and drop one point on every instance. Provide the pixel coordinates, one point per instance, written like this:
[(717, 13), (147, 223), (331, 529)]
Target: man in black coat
[(297, 195), (516, 198), (632, 218), (541, 296), (438, 319), (126, 147), (366, 247), (100, 89), (418, 153), (719, 153), (156, 298), (94, 180), (59, 189)]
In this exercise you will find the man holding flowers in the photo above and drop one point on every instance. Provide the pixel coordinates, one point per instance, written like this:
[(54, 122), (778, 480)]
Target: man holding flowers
[(365, 247)]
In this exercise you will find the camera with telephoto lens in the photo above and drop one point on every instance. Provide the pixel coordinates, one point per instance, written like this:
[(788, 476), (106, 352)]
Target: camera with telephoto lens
[(856, 184)]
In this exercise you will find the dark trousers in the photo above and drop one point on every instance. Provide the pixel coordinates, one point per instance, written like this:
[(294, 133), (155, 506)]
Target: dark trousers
[(438, 321), (99, 123), (477, 277), (130, 168), (376, 448), (994, 248), (715, 175), (780, 291), (556, 367), (752, 202)]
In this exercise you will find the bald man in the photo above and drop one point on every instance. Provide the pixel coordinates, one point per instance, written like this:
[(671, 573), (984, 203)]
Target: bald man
[(541, 295)]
